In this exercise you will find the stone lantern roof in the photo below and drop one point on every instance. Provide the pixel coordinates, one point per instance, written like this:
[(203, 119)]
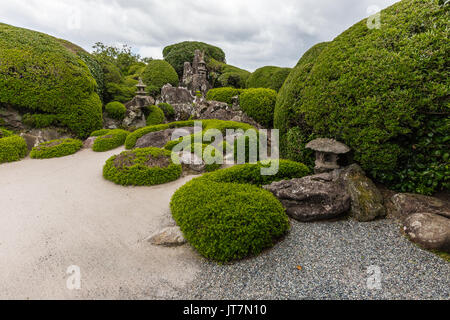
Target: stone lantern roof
[(327, 153), (141, 88)]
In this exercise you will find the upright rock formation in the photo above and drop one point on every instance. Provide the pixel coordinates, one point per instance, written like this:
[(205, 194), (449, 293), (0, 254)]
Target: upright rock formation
[(195, 76)]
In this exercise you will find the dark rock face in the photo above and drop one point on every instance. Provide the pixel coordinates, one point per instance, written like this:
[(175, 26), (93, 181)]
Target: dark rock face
[(11, 118), (405, 204), (312, 198), (159, 139), (366, 199), (174, 95), (429, 230)]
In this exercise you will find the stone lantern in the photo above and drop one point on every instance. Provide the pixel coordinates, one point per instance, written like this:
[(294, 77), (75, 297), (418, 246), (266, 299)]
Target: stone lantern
[(327, 153), (141, 88)]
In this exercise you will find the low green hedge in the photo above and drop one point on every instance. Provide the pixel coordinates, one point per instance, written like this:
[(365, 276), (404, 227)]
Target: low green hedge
[(268, 77), (223, 94), (56, 148), (111, 139), (116, 110), (259, 104), (130, 168), (12, 147), (40, 120), (5, 133), (155, 116), (226, 216)]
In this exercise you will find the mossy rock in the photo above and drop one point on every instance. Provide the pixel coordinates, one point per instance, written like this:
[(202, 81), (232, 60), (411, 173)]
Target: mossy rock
[(12, 147), (109, 139), (384, 93), (142, 167), (56, 148), (41, 75)]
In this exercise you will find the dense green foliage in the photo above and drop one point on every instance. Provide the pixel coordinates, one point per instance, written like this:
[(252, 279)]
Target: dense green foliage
[(116, 110), (179, 53), (12, 147), (259, 104), (132, 167), (169, 111), (384, 92), (40, 75), (223, 94), (226, 218), (109, 140), (5, 133), (38, 120), (157, 74), (225, 75), (56, 148), (268, 77), (155, 116)]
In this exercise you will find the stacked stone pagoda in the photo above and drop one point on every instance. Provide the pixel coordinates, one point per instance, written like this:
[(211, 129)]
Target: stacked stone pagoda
[(195, 75)]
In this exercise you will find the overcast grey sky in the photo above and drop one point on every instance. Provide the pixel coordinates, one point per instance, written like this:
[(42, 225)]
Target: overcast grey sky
[(253, 33)]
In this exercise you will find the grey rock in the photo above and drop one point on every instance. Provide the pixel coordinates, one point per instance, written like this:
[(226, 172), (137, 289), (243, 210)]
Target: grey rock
[(134, 117), (176, 95), (159, 139), (169, 237), (429, 230), (404, 204), (366, 199), (312, 198), (195, 76), (192, 161), (89, 142), (11, 118), (31, 140), (328, 146)]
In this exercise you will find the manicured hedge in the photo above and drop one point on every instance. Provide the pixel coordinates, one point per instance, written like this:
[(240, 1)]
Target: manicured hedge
[(155, 116), (131, 168), (259, 104), (268, 77), (116, 110), (223, 94), (225, 75), (41, 75), (169, 111), (383, 92), (56, 148), (40, 120), (179, 53), (109, 140), (157, 74), (12, 147)]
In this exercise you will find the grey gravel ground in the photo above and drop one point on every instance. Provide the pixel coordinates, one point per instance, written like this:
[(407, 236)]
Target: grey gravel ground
[(334, 259)]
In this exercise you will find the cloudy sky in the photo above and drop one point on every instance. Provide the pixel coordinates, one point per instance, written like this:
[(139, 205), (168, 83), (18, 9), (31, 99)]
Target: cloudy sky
[(253, 33)]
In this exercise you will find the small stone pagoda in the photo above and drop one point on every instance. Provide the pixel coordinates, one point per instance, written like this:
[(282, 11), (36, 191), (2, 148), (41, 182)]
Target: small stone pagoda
[(135, 114), (327, 153), (195, 75)]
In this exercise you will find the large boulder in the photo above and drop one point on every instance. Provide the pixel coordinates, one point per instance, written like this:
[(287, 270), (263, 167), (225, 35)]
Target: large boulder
[(159, 139), (429, 230), (312, 198), (404, 204), (366, 199)]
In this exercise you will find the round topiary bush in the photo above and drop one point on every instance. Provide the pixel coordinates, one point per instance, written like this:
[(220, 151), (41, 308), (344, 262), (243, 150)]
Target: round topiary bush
[(12, 147), (109, 140), (142, 167), (169, 111), (56, 148), (155, 116), (177, 54), (259, 104), (116, 110), (157, 74), (223, 94), (268, 77), (384, 92), (226, 216), (41, 75)]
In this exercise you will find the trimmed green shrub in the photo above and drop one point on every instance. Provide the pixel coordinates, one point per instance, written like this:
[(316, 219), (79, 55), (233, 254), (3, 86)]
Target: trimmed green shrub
[(157, 74), (12, 147), (177, 54), (56, 148), (142, 167), (155, 116), (169, 111), (40, 120), (259, 104), (41, 75), (99, 133), (110, 140), (268, 77), (116, 110), (225, 75), (223, 94), (383, 92)]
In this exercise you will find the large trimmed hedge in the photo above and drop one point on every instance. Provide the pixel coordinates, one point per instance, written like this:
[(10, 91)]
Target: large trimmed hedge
[(41, 75), (268, 77), (384, 92), (109, 139), (131, 168), (223, 94), (259, 104), (116, 110), (179, 53), (157, 74), (56, 148), (12, 147), (224, 217), (155, 116), (225, 75)]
